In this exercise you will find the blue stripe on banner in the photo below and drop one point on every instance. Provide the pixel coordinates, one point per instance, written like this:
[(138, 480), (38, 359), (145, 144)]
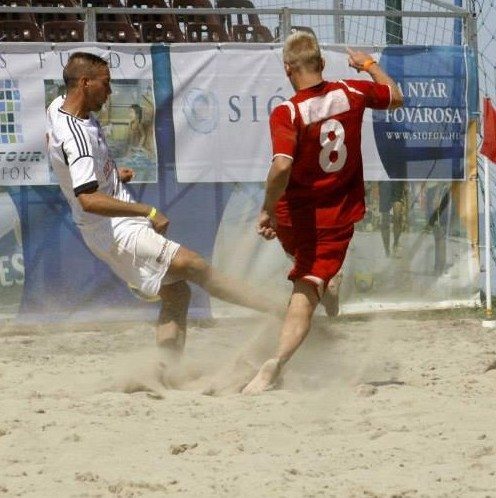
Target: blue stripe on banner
[(164, 123), (162, 86), (473, 82)]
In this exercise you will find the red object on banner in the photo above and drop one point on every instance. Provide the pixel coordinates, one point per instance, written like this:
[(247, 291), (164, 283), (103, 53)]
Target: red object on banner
[(488, 148)]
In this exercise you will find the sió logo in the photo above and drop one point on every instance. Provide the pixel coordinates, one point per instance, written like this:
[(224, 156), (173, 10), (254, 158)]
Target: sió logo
[(201, 109), (10, 107)]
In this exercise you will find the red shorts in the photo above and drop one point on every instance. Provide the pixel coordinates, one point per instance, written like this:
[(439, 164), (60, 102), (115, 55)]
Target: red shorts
[(318, 252)]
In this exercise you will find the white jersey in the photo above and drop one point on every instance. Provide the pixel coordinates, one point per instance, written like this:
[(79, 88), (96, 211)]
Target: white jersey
[(81, 159)]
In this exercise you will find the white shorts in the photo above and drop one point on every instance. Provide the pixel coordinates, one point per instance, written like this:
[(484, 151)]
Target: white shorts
[(134, 251)]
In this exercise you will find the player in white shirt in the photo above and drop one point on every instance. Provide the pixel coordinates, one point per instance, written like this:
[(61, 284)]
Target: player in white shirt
[(127, 235)]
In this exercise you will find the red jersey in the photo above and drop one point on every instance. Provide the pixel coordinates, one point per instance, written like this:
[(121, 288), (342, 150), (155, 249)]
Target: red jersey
[(320, 129)]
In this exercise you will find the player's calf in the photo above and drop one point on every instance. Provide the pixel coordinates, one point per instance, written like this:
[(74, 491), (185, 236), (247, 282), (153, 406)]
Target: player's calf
[(172, 319)]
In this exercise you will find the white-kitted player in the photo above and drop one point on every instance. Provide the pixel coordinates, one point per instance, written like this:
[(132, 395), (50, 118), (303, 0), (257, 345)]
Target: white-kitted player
[(127, 235)]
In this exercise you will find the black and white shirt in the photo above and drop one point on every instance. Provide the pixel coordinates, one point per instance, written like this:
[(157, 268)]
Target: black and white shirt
[(81, 159)]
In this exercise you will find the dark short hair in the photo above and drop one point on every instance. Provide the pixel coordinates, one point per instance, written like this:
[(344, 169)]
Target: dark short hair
[(81, 64)]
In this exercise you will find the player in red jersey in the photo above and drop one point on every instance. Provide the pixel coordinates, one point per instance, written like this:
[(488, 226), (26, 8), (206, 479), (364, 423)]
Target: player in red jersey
[(315, 191)]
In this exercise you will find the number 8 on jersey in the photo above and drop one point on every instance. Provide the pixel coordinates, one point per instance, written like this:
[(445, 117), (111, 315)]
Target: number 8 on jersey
[(333, 153)]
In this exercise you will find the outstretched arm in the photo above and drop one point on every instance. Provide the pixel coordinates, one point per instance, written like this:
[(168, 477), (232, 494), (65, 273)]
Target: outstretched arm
[(364, 62)]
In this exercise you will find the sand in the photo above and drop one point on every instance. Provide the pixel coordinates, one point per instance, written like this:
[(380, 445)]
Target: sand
[(371, 407)]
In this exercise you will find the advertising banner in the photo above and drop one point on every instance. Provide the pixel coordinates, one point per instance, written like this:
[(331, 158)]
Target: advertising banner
[(223, 96), (31, 78)]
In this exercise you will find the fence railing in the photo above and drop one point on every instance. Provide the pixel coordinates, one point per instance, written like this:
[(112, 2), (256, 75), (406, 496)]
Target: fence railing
[(284, 15)]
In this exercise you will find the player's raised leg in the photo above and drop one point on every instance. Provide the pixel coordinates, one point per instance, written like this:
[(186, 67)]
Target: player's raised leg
[(294, 330), (188, 265)]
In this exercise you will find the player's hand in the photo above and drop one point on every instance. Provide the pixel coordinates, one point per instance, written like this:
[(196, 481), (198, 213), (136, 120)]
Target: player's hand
[(160, 223), (356, 59), (266, 225), (125, 174)]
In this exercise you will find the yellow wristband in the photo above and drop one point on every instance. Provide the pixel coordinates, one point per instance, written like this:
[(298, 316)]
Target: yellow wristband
[(152, 213), (368, 63)]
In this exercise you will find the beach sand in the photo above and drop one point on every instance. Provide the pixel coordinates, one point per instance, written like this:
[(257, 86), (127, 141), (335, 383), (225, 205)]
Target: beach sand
[(398, 406)]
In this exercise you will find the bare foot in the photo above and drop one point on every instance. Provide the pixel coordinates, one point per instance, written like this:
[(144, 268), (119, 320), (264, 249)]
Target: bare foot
[(265, 378)]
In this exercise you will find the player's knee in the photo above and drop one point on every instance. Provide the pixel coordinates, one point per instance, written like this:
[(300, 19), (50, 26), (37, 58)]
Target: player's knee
[(190, 266), (198, 270)]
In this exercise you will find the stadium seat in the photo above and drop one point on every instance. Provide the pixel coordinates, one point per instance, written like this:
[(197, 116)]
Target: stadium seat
[(16, 16), (59, 16), (249, 33), (19, 31), (211, 19), (152, 21), (257, 30), (157, 32), (201, 28), (252, 19), (106, 17), (116, 32), (205, 32), (63, 31)]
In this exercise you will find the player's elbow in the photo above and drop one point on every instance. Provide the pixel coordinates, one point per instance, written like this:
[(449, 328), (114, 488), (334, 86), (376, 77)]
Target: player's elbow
[(281, 166), (86, 202)]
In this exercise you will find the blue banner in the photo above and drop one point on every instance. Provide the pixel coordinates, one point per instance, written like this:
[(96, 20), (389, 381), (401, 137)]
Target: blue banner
[(425, 139)]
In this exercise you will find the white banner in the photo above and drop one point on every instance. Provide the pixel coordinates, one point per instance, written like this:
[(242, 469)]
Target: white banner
[(31, 77), (223, 97)]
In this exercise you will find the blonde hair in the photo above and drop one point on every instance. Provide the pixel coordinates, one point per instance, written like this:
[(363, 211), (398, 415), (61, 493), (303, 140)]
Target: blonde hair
[(301, 51)]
